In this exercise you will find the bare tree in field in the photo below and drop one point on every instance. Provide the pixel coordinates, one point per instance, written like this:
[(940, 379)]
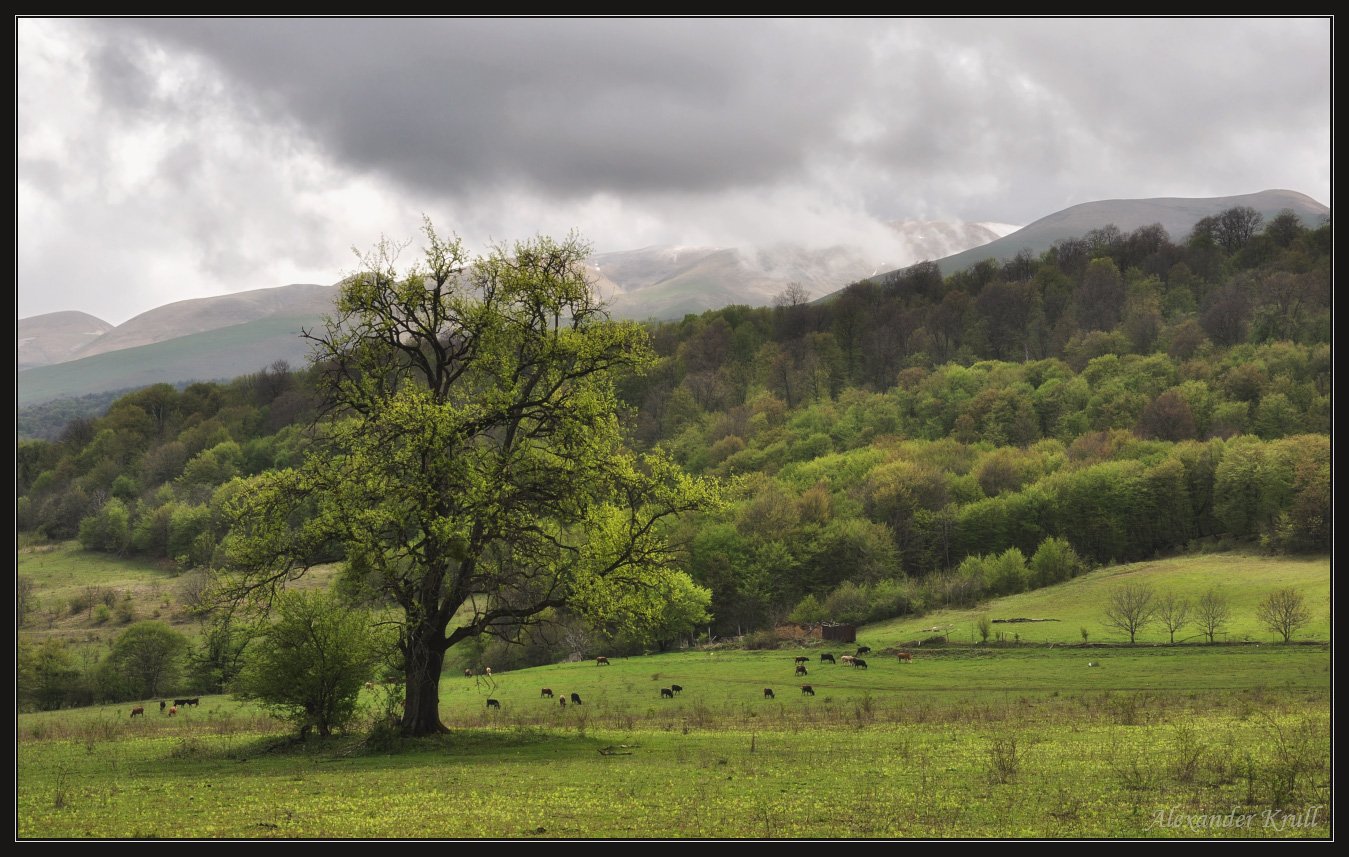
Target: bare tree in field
[(1174, 611), (1131, 607), (1283, 611), (1212, 612)]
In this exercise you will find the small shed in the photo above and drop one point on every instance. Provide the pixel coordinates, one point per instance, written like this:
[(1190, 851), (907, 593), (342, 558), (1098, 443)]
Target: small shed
[(838, 631)]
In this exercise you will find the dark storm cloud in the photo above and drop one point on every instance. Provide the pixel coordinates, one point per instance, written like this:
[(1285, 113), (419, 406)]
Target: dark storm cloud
[(567, 107)]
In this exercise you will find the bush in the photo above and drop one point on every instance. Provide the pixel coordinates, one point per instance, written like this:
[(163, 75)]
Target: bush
[(765, 639), (1054, 562)]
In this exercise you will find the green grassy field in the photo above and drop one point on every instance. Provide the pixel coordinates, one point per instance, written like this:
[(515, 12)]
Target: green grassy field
[(1000, 745), (1243, 578), (1189, 741)]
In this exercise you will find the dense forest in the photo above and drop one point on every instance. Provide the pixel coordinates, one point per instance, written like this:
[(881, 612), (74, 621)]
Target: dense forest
[(909, 441)]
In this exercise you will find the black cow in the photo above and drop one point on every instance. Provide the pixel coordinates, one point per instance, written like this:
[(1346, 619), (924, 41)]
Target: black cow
[(807, 689), (676, 688), (827, 657), (547, 691), (768, 693), (576, 699), (666, 693), (492, 703), (803, 660), (800, 669), (162, 705), (858, 662), (863, 650)]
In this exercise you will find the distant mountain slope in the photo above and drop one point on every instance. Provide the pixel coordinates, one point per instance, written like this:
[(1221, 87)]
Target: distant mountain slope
[(1178, 215), (182, 318), (220, 354), (55, 337)]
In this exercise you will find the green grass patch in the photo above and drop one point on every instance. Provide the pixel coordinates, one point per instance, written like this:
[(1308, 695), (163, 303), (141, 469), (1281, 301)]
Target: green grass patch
[(1243, 578), (991, 763)]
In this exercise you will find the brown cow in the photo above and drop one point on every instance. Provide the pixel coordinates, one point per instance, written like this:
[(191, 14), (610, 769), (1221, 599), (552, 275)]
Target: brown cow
[(173, 709), (800, 669), (601, 661), (807, 689), (905, 657), (139, 710)]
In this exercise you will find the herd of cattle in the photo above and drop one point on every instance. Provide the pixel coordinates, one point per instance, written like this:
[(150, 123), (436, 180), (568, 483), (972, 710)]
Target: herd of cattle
[(165, 708), (853, 660)]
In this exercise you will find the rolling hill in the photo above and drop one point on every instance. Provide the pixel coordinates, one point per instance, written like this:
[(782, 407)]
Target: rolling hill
[(219, 354), (55, 337), (1177, 215)]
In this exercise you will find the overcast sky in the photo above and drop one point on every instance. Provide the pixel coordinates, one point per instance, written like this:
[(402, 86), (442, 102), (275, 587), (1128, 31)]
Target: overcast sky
[(164, 159)]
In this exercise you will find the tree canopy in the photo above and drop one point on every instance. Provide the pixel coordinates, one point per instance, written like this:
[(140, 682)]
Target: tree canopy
[(473, 456)]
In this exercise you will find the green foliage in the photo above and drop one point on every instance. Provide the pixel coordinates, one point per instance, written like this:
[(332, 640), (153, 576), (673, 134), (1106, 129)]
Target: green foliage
[(308, 664), (45, 676), (109, 529), (145, 661), (1054, 562), (482, 473), (808, 611)]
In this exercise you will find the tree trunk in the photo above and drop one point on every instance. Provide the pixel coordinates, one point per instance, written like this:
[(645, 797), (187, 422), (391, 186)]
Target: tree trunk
[(425, 656)]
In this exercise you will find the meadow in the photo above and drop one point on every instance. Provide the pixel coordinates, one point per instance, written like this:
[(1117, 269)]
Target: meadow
[(1014, 740)]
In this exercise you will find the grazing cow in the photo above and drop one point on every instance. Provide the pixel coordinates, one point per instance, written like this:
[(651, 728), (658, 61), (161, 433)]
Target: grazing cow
[(666, 693), (173, 709), (905, 657), (162, 706), (768, 693), (803, 660), (807, 689), (547, 691), (468, 673), (576, 699), (800, 669), (138, 711), (858, 662), (676, 688), (847, 660), (827, 657), (863, 650), (194, 701), (1092, 664), (562, 701), (601, 661), (492, 703)]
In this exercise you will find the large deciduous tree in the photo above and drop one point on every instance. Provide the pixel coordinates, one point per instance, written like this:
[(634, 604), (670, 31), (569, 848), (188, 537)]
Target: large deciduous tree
[(471, 456)]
